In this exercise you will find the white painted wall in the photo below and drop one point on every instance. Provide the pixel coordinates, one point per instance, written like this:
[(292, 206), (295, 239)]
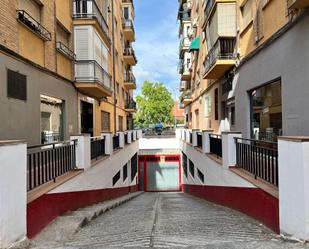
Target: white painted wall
[(215, 174), (100, 176), (13, 192), (158, 143), (294, 188)]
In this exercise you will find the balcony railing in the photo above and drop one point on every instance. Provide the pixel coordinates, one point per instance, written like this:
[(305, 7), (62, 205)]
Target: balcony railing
[(199, 140), (186, 95), (224, 49), (130, 104), (184, 43), (129, 77), (260, 158), (97, 147), (65, 50), (91, 71), (128, 24), (47, 162), (33, 25), (129, 51), (215, 145), (88, 9)]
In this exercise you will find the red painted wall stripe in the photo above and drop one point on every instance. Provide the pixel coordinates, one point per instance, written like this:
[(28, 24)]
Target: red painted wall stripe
[(251, 201), (48, 207)]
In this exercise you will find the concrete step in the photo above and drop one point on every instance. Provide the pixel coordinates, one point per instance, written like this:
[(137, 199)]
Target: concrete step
[(62, 228)]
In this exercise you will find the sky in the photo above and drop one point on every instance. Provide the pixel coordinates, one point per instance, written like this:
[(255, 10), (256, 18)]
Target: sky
[(157, 43)]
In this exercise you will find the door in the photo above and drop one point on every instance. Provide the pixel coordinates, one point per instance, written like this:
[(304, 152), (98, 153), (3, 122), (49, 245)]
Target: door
[(86, 118), (160, 173)]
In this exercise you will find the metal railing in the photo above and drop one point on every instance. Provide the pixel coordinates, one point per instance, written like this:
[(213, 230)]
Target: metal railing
[(128, 24), (129, 51), (223, 49), (269, 136), (184, 43), (199, 139), (48, 137), (215, 145), (116, 142), (129, 77), (65, 50), (130, 104), (91, 71), (208, 7), (46, 162), (88, 9), (97, 147), (260, 158), (126, 140), (33, 24)]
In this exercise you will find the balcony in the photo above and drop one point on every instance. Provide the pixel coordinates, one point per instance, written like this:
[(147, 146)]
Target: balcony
[(220, 58), (210, 7), (87, 12), (129, 81), (61, 48), (297, 4), (184, 44), (184, 12), (186, 97), (183, 85), (129, 56), (128, 30), (92, 80), (184, 71), (24, 18), (130, 106)]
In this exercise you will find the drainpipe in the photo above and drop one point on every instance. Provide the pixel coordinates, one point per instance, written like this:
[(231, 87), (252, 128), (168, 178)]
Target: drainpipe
[(114, 64)]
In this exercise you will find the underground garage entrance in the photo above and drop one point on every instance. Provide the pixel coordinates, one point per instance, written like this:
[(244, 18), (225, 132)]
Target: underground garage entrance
[(159, 173)]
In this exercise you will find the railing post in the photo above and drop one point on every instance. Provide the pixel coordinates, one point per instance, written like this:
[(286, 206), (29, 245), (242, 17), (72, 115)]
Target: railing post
[(206, 142), (13, 192), (83, 151), (108, 142), (294, 186), (134, 135), (139, 134), (121, 139), (129, 137), (229, 148), (194, 137)]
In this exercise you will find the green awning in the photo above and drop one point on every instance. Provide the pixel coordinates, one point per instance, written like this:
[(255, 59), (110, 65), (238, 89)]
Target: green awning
[(195, 44)]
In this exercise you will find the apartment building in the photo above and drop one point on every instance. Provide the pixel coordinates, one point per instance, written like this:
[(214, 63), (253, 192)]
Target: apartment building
[(103, 32), (247, 65), (37, 96)]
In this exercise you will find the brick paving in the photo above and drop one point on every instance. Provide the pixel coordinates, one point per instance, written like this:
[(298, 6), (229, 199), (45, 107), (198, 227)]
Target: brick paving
[(173, 220)]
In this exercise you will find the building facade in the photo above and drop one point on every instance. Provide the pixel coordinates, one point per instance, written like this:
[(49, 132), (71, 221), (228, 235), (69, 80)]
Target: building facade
[(237, 80), (66, 68)]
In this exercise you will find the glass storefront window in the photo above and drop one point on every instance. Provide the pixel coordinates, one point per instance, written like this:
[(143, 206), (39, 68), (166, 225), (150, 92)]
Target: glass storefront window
[(266, 112), (51, 119)]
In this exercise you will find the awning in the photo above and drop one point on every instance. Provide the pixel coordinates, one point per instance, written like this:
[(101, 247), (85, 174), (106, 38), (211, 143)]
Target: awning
[(195, 44)]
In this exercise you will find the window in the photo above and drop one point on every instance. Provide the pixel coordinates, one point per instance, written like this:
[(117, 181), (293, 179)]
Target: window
[(200, 175), (117, 88), (62, 35), (120, 123), (233, 115), (185, 164), (125, 172), (191, 168), (207, 107), (31, 7), (116, 178), (216, 104), (126, 13), (105, 121), (51, 119), (247, 13), (16, 85)]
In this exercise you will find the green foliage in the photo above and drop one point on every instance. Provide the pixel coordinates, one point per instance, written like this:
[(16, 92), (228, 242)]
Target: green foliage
[(154, 105)]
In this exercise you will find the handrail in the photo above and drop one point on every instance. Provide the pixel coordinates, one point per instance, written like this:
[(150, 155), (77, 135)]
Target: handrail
[(65, 49), (33, 24), (52, 144), (259, 143)]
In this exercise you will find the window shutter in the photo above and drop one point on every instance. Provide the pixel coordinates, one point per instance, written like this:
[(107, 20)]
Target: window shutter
[(16, 85), (81, 44)]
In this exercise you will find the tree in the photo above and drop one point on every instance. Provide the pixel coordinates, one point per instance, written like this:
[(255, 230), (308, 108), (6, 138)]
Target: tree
[(154, 105)]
